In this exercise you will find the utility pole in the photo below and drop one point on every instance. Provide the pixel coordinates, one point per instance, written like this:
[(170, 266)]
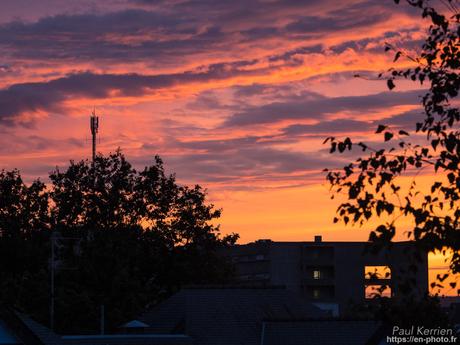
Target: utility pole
[(102, 319), (52, 263), (56, 241), (94, 125)]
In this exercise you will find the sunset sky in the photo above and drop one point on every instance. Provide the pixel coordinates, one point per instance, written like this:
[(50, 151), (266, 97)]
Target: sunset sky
[(237, 96)]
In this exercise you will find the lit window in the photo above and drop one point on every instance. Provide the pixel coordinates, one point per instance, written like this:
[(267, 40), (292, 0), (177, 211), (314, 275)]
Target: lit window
[(373, 291), (315, 293), (377, 272), (316, 274)]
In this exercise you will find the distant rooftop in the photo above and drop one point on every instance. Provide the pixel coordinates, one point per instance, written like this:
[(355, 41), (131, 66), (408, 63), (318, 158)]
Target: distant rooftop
[(227, 315), (134, 324), (316, 239), (48, 337)]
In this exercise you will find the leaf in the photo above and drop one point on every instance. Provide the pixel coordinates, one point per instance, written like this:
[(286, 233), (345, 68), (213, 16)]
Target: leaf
[(435, 186), (380, 129), (388, 136), (397, 55), (333, 148), (363, 146), (328, 139), (390, 84), (450, 143), (401, 132)]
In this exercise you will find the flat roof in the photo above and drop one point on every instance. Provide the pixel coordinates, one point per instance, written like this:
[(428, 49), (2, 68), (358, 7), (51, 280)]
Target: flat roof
[(318, 242)]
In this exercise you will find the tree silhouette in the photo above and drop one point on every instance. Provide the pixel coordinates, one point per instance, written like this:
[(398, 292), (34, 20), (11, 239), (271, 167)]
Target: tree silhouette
[(24, 228), (123, 239), (372, 183)]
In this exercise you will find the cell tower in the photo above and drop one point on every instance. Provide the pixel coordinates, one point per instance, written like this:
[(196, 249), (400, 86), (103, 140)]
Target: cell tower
[(94, 124)]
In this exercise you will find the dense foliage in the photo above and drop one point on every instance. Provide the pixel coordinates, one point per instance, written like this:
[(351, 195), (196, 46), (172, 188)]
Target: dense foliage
[(122, 238)]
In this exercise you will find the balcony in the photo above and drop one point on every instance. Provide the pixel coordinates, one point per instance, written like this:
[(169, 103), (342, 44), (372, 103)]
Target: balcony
[(320, 293), (319, 255)]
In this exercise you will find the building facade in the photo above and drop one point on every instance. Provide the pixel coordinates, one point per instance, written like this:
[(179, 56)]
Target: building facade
[(340, 273)]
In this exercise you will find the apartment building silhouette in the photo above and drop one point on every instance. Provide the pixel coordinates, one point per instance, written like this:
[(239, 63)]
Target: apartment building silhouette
[(334, 273)]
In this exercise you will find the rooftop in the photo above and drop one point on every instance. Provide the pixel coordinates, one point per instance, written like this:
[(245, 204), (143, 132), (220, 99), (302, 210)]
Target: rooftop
[(227, 316)]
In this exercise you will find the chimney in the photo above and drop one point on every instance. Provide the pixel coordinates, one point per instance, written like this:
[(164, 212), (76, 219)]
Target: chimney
[(318, 239)]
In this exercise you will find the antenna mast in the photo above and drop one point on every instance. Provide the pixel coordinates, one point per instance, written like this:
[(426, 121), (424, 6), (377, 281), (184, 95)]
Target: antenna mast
[(94, 124)]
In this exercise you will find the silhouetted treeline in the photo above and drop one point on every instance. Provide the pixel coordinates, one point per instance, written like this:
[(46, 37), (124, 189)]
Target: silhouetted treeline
[(122, 238)]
